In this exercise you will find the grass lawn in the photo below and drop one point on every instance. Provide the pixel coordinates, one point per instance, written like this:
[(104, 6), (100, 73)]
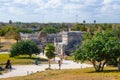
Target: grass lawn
[(20, 60), (110, 73), (69, 58), (72, 59)]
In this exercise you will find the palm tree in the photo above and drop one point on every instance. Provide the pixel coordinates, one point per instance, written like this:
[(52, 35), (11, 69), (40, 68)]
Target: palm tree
[(50, 49), (10, 22), (84, 22), (95, 23)]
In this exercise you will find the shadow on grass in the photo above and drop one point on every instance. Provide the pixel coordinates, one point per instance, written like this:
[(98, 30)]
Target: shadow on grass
[(105, 71), (32, 58), (41, 59), (1, 46), (20, 57)]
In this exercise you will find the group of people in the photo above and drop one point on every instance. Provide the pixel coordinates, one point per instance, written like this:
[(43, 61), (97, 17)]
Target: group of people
[(37, 60), (9, 66)]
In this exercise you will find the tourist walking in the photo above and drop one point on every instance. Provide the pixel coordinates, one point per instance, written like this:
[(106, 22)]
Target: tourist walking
[(59, 63)]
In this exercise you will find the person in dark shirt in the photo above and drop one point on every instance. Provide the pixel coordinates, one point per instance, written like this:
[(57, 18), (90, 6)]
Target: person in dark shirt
[(59, 63), (8, 65)]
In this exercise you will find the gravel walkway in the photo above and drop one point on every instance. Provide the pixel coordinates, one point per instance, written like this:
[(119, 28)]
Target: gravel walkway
[(21, 70)]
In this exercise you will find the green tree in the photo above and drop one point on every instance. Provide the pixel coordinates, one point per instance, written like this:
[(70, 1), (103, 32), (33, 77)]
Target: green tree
[(50, 49), (94, 23), (12, 35), (76, 27), (8, 28), (102, 48), (84, 23), (23, 30), (49, 29), (17, 37), (88, 35), (63, 27), (1, 32), (25, 47), (10, 21), (79, 27)]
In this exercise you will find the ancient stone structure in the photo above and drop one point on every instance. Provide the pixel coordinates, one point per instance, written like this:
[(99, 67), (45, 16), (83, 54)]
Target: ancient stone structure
[(30, 36), (65, 42)]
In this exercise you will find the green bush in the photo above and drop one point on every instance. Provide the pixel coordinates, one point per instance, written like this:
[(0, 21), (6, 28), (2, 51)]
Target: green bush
[(25, 47)]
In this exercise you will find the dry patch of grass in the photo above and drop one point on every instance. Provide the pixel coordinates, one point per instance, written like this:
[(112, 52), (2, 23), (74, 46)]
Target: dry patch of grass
[(110, 73), (7, 40), (6, 43)]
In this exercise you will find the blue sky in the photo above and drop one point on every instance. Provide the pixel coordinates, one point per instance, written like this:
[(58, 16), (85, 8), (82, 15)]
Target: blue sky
[(43, 11)]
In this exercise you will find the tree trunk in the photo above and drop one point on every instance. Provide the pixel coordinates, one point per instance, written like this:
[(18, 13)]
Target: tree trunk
[(99, 67), (17, 40), (30, 56), (49, 63), (119, 66), (103, 66), (93, 62)]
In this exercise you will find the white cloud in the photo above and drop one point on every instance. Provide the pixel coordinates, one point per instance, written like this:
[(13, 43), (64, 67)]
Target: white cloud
[(4, 0), (73, 6), (110, 7), (89, 2), (21, 1), (75, 0), (15, 10), (6, 4), (47, 4), (107, 2), (50, 4), (80, 4), (116, 7), (53, 3), (39, 3), (67, 8)]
